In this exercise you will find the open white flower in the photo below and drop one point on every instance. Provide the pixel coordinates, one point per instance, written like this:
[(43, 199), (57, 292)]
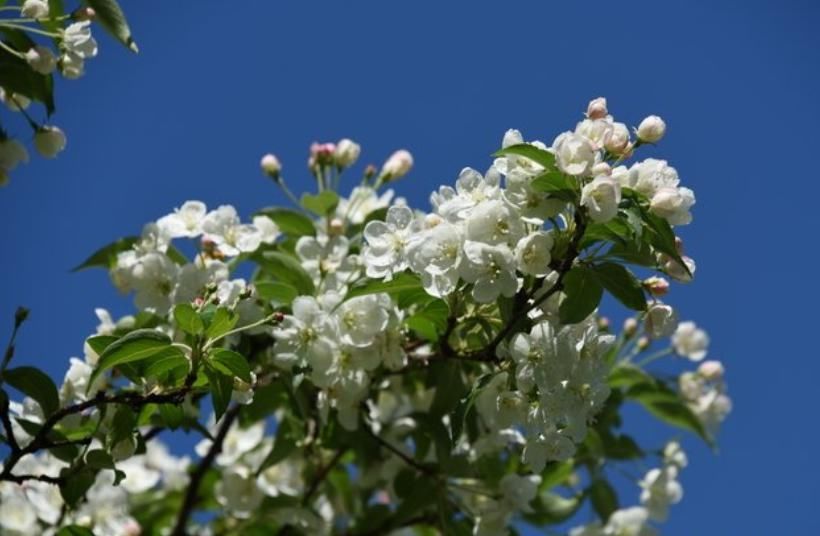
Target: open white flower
[(661, 321), (387, 242), (574, 154), (77, 40), (601, 198), (41, 59), (362, 318), (491, 269), (690, 341), (673, 204), (12, 153), (660, 490), (223, 228), (532, 253), (186, 221)]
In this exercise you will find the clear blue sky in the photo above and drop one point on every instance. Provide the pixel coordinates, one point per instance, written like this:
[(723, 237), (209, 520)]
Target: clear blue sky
[(215, 87)]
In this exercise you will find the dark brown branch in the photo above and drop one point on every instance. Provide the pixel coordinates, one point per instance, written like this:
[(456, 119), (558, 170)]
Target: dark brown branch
[(407, 459), (192, 493)]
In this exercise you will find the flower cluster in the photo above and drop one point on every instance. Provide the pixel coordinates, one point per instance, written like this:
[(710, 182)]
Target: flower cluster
[(380, 367)]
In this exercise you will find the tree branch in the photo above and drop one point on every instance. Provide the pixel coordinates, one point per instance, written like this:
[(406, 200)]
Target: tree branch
[(192, 493)]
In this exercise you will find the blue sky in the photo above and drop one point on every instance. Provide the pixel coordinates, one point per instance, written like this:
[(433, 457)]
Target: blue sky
[(214, 88)]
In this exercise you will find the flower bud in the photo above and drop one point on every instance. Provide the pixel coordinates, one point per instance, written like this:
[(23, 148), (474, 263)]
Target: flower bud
[(49, 141), (618, 141), (630, 326), (321, 154), (270, 166), (657, 286), (83, 13), (14, 101), (642, 344), (20, 316), (34, 9), (397, 166), (651, 129), (711, 370), (661, 321), (603, 323), (336, 227), (346, 153), (41, 59), (601, 168), (597, 108)]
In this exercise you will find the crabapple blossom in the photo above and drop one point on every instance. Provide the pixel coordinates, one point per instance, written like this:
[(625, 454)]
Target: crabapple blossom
[(397, 166), (690, 341), (651, 129), (49, 141), (34, 9), (41, 59), (574, 154), (601, 197)]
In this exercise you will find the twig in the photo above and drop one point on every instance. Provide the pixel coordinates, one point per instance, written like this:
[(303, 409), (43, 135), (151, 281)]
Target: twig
[(192, 493), (407, 459), (322, 474)]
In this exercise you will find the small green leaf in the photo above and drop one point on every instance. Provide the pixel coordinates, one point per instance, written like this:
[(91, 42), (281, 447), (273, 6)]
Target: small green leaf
[(109, 14), (400, 283), (99, 343), (287, 270), (231, 363), (627, 376), (221, 389), (290, 222), (556, 473), (75, 484), (603, 497), (222, 322), (277, 292), (16, 76), (166, 361), (172, 415), (423, 327), (322, 203), (584, 293), (106, 256), (556, 184), (667, 405), (188, 319), (620, 282), (137, 345), (540, 156), (99, 459), (36, 384), (464, 405)]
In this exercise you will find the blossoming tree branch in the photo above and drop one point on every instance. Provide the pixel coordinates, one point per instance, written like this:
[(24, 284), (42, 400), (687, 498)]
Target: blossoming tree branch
[(381, 369)]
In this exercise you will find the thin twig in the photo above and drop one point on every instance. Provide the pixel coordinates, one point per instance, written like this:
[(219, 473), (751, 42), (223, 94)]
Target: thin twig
[(192, 493)]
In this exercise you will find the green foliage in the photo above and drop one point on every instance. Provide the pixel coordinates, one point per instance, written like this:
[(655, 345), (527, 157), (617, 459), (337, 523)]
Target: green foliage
[(290, 222), (531, 152), (321, 204), (111, 17), (36, 384), (584, 293), (287, 269), (138, 345)]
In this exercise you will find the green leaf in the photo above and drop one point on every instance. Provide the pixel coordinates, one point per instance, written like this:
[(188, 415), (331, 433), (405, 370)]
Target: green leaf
[(662, 237), (221, 389), (122, 425), (531, 152), (106, 256), (551, 508), (322, 203), (172, 415), (464, 406), (667, 405), (109, 14), (556, 184), (620, 282), (274, 291), (99, 343), (231, 363), (423, 327), (17, 77), (400, 283), (584, 293), (99, 459), (287, 270), (621, 447), (449, 384), (36, 384), (188, 319), (615, 230), (137, 345), (603, 497), (75, 484), (290, 222), (167, 361), (627, 376), (556, 473), (287, 437), (222, 321)]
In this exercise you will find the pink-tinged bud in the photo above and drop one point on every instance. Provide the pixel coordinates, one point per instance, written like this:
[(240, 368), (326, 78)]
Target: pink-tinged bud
[(321, 154), (369, 171), (278, 316), (618, 140), (679, 245), (603, 323), (657, 286), (397, 166), (597, 108), (630, 326), (711, 370), (601, 168), (84, 14), (660, 321), (199, 301), (651, 129), (643, 343), (270, 166)]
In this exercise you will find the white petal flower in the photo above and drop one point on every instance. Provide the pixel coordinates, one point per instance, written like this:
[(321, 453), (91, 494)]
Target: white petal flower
[(660, 490), (34, 9), (629, 522), (186, 221), (601, 198), (690, 341), (78, 41), (673, 204), (362, 318), (268, 230), (346, 153), (387, 242), (17, 515), (649, 176), (41, 59), (494, 222), (532, 253), (12, 153), (238, 492), (223, 228), (491, 269), (574, 154), (661, 321), (651, 129)]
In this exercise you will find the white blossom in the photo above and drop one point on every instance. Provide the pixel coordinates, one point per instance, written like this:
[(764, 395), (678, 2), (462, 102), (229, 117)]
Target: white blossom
[(601, 198), (690, 341), (574, 154), (651, 129)]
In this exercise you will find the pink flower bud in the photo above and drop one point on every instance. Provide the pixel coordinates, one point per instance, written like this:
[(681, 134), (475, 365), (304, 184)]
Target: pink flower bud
[(651, 129), (270, 166), (657, 286), (397, 166), (711, 370), (597, 108), (630, 326)]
